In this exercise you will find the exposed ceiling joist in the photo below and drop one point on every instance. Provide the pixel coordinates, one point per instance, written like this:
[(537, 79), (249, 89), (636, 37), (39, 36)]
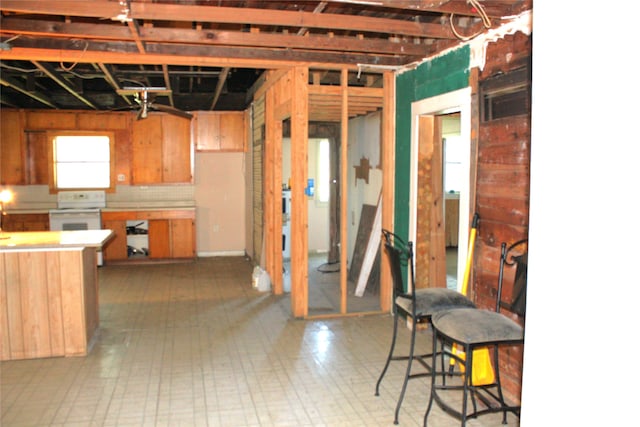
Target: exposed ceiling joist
[(219, 54), (55, 76)]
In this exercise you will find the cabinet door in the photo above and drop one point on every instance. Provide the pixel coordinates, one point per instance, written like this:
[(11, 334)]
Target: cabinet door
[(232, 131), (37, 170), (182, 238), (176, 149), (159, 239), (116, 247), (146, 150), (207, 131), (12, 148)]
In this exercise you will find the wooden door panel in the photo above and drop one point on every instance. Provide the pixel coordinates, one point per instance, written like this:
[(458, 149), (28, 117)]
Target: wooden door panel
[(12, 152), (182, 240), (147, 150), (207, 131), (159, 240), (37, 170), (232, 132), (176, 149), (116, 248)]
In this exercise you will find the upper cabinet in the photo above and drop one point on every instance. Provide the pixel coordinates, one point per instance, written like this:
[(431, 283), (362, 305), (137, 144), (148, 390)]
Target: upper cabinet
[(161, 150), (12, 148), (154, 150), (219, 131)]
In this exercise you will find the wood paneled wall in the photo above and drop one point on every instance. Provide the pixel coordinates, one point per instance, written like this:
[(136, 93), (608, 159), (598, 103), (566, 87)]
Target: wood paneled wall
[(48, 303), (502, 192)]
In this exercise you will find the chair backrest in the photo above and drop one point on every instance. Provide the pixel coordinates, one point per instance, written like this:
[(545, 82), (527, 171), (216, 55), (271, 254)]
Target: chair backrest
[(518, 302), (400, 254)]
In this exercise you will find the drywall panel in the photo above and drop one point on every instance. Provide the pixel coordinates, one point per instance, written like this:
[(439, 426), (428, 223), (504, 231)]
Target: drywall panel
[(220, 203)]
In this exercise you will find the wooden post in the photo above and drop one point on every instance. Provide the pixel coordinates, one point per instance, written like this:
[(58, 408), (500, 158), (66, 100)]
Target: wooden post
[(388, 157), (299, 209), (344, 134)]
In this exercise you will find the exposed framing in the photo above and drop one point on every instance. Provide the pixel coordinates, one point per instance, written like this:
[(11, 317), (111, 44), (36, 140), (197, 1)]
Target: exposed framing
[(289, 96)]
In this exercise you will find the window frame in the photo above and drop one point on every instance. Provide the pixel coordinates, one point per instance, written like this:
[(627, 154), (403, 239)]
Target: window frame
[(53, 183)]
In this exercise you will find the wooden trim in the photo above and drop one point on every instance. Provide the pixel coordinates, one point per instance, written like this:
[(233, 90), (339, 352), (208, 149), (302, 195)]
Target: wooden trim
[(269, 162), (387, 155), (299, 205), (124, 215), (51, 135), (344, 147)]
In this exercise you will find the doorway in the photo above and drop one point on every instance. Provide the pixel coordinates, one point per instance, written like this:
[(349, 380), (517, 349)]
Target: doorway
[(427, 221)]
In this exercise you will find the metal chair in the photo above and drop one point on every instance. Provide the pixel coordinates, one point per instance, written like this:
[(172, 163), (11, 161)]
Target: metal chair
[(476, 329), (416, 305)]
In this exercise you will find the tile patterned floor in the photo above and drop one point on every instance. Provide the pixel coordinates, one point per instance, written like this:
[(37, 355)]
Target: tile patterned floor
[(194, 345)]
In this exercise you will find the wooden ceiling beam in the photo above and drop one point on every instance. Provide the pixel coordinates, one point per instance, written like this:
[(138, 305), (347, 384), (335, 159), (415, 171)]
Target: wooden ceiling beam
[(52, 29), (91, 51), (228, 15), (167, 82), (493, 8), (55, 55), (222, 78)]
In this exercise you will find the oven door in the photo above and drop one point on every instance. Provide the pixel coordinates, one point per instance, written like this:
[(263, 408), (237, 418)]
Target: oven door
[(76, 219)]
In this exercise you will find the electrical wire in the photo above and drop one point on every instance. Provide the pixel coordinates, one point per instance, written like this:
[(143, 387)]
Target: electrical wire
[(68, 69), (486, 21)]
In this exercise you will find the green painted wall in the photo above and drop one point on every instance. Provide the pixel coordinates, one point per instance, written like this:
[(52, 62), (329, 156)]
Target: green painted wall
[(440, 75)]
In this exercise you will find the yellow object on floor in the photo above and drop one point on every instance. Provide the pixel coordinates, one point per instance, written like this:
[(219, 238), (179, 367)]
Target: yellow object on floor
[(482, 368)]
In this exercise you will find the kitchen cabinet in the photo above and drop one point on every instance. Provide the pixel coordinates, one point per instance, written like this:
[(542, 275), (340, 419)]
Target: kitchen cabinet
[(12, 148), (49, 305), (220, 131), (25, 222), (171, 233), (161, 150), (116, 248), (171, 238)]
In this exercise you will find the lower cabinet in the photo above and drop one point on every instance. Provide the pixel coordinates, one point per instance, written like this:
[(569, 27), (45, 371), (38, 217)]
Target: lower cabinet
[(25, 222), (171, 238), (171, 234)]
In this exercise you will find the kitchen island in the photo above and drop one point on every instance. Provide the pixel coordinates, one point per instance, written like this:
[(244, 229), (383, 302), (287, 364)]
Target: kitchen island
[(48, 292)]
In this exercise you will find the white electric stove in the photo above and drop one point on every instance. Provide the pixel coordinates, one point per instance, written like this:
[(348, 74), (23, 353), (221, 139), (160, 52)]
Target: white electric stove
[(78, 210)]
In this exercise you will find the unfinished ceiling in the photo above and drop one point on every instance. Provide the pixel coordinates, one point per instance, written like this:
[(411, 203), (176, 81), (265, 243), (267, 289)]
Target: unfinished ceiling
[(212, 55)]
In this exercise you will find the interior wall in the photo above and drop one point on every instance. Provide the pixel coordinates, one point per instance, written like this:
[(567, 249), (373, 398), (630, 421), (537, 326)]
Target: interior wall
[(318, 212), (364, 143), (220, 203), (442, 74)]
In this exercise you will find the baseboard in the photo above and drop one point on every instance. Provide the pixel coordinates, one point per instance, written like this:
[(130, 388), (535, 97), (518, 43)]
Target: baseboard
[(221, 253)]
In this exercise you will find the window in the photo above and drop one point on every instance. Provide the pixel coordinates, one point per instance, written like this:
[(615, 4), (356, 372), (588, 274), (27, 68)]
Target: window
[(453, 171), (506, 95), (324, 171), (82, 161)]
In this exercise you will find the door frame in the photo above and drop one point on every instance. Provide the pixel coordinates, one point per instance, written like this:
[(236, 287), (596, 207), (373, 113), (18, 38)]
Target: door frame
[(458, 101)]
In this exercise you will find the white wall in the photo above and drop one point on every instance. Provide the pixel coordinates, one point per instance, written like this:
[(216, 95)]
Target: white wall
[(220, 203), (318, 213), (582, 313), (364, 141)]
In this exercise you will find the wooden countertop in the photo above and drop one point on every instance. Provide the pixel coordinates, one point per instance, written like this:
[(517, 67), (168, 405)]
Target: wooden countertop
[(38, 240)]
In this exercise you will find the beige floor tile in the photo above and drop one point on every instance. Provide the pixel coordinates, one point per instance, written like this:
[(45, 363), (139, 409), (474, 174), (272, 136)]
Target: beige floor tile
[(194, 344)]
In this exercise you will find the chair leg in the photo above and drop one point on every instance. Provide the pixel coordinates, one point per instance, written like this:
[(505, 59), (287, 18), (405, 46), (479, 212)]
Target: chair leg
[(468, 366), (390, 356), (434, 358), (496, 369), (409, 362)]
